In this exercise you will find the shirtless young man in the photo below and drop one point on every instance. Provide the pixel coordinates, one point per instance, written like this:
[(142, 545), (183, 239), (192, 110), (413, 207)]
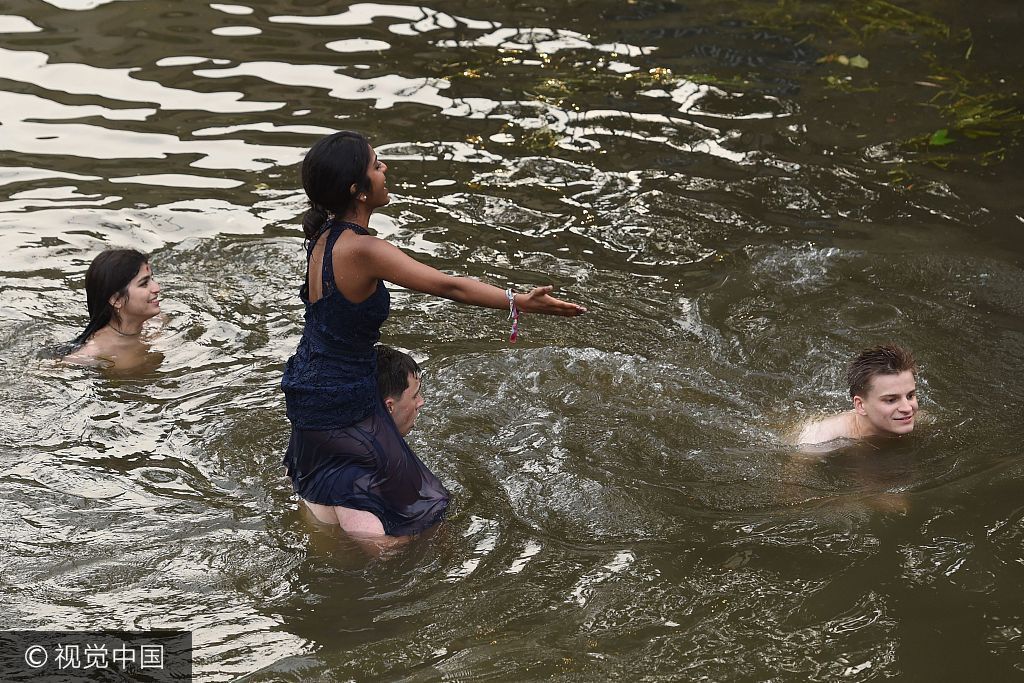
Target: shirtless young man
[(884, 392)]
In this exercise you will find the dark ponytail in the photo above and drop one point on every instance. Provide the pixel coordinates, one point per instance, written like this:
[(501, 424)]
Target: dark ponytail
[(312, 221), (109, 274), (331, 167)]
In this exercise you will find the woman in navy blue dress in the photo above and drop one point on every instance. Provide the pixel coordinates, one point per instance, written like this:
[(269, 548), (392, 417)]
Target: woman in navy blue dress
[(346, 458)]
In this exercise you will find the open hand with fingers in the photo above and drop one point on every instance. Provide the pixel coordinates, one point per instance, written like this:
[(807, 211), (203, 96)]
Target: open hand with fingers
[(539, 300)]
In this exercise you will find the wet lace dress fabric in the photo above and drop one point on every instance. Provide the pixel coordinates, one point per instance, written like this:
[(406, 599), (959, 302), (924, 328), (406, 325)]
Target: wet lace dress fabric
[(344, 448)]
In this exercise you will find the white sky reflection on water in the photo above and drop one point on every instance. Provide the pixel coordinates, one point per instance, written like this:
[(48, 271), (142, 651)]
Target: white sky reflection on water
[(263, 127), (546, 40), (94, 142), (584, 589), (14, 24), (460, 152), (54, 193), (81, 5), (117, 84), (365, 13), (357, 45), (58, 236), (386, 90), (51, 197), (236, 31), (24, 132), (18, 107), (178, 180), (22, 174), (231, 9), (188, 60), (689, 95)]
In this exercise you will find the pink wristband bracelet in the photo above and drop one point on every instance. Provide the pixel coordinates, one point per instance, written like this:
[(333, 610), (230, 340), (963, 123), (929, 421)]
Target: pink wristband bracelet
[(513, 314)]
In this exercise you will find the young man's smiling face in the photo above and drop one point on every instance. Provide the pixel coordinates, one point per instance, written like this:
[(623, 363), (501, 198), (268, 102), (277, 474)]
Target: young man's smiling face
[(890, 404)]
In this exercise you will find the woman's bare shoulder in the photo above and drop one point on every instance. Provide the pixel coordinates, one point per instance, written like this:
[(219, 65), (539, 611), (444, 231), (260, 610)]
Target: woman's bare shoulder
[(88, 356)]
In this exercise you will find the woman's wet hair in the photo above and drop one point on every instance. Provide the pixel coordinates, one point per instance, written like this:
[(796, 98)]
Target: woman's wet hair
[(109, 275), (330, 168), (393, 370), (887, 359)]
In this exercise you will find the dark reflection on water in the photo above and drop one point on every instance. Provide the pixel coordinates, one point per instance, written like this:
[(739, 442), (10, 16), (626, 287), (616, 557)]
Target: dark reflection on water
[(624, 504)]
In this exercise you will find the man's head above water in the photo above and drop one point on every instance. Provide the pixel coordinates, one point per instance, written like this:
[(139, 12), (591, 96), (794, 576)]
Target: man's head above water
[(398, 383), (883, 387)]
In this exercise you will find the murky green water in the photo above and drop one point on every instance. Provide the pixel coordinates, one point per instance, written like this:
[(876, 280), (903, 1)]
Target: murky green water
[(739, 218)]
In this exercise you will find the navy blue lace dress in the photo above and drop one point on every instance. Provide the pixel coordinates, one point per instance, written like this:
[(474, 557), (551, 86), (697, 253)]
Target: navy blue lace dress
[(344, 448)]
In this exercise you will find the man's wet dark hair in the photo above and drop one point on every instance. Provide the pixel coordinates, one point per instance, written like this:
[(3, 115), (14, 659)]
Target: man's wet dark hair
[(331, 166), (887, 359), (109, 274), (393, 370)]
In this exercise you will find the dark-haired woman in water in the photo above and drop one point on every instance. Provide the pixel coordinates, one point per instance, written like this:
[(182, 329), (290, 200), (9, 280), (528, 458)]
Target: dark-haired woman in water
[(346, 458), (121, 294)]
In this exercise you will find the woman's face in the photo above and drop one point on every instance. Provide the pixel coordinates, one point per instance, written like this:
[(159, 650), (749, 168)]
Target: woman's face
[(141, 299), (378, 194)]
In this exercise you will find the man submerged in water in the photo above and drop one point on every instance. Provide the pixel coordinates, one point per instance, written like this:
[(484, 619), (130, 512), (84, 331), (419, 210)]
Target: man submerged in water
[(398, 384), (884, 392)]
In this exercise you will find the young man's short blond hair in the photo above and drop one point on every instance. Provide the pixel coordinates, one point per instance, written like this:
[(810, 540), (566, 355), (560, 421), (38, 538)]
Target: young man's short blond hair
[(887, 359)]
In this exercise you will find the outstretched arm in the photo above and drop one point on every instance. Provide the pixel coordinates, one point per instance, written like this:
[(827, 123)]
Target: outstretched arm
[(385, 261)]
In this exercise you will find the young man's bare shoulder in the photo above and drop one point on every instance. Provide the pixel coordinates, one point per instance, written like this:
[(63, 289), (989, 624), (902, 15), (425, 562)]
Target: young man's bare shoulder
[(823, 430)]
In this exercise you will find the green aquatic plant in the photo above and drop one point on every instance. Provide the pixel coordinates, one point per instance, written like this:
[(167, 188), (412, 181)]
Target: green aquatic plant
[(859, 20), (656, 77), (858, 49), (551, 90), (857, 61), (540, 140), (981, 120), (989, 119), (985, 115), (878, 16), (940, 138), (573, 83)]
